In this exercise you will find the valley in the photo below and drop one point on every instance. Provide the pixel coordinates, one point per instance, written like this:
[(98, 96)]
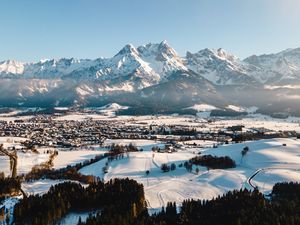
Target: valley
[(272, 154)]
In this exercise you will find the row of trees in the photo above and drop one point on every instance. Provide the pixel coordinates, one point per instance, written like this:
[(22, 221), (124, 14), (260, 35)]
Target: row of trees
[(166, 168), (213, 162), (116, 149)]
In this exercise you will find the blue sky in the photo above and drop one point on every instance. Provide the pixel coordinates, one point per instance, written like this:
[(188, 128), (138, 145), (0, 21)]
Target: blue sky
[(36, 29)]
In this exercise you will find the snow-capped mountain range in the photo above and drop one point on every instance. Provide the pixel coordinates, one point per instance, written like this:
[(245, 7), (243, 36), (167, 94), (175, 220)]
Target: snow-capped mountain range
[(154, 63), (143, 71)]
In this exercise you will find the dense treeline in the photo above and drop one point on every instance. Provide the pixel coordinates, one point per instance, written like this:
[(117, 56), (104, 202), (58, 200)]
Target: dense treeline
[(116, 149), (234, 208), (242, 137), (189, 132), (122, 202), (227, 113), (9, 186), (286, 191), (116, 198), (213, 162)]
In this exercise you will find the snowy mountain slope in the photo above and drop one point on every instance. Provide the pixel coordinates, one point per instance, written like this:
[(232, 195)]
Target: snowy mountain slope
[(281, 68), (127, 62), (162, 58), (220, 67)]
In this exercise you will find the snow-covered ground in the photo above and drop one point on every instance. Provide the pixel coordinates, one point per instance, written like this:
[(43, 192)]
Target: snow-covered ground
[(202, 107), (260, 121), (273, 161), (39, 187), (73, 217), (42, 186), (111, 109), (278, 163), (176, 185), (65, 157), (26, 160)]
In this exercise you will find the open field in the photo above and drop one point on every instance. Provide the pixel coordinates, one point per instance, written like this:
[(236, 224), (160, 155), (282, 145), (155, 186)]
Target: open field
[(279, 163)]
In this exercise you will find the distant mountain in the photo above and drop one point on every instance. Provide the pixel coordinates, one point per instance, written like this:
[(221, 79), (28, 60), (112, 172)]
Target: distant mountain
[(282, 68), (220, 67), (155, 75)]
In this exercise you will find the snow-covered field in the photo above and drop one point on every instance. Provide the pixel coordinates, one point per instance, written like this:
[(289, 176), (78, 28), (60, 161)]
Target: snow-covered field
[(39, 187), (276, 163), (176, 185), (26, 160), (260, 121), (65, 158), (273, 161)]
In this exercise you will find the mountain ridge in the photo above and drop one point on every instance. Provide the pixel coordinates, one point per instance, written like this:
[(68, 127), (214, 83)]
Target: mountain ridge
[(155, 62), (154, 74)]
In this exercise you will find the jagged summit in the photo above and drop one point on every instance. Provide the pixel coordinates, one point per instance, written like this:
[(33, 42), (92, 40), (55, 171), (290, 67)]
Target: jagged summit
[(127, 49)]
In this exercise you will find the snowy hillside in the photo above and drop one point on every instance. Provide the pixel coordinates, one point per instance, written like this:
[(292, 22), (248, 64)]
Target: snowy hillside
[(268, 159)]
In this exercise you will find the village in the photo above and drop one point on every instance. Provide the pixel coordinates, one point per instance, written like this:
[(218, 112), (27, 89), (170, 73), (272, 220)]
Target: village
[(44, 131)]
